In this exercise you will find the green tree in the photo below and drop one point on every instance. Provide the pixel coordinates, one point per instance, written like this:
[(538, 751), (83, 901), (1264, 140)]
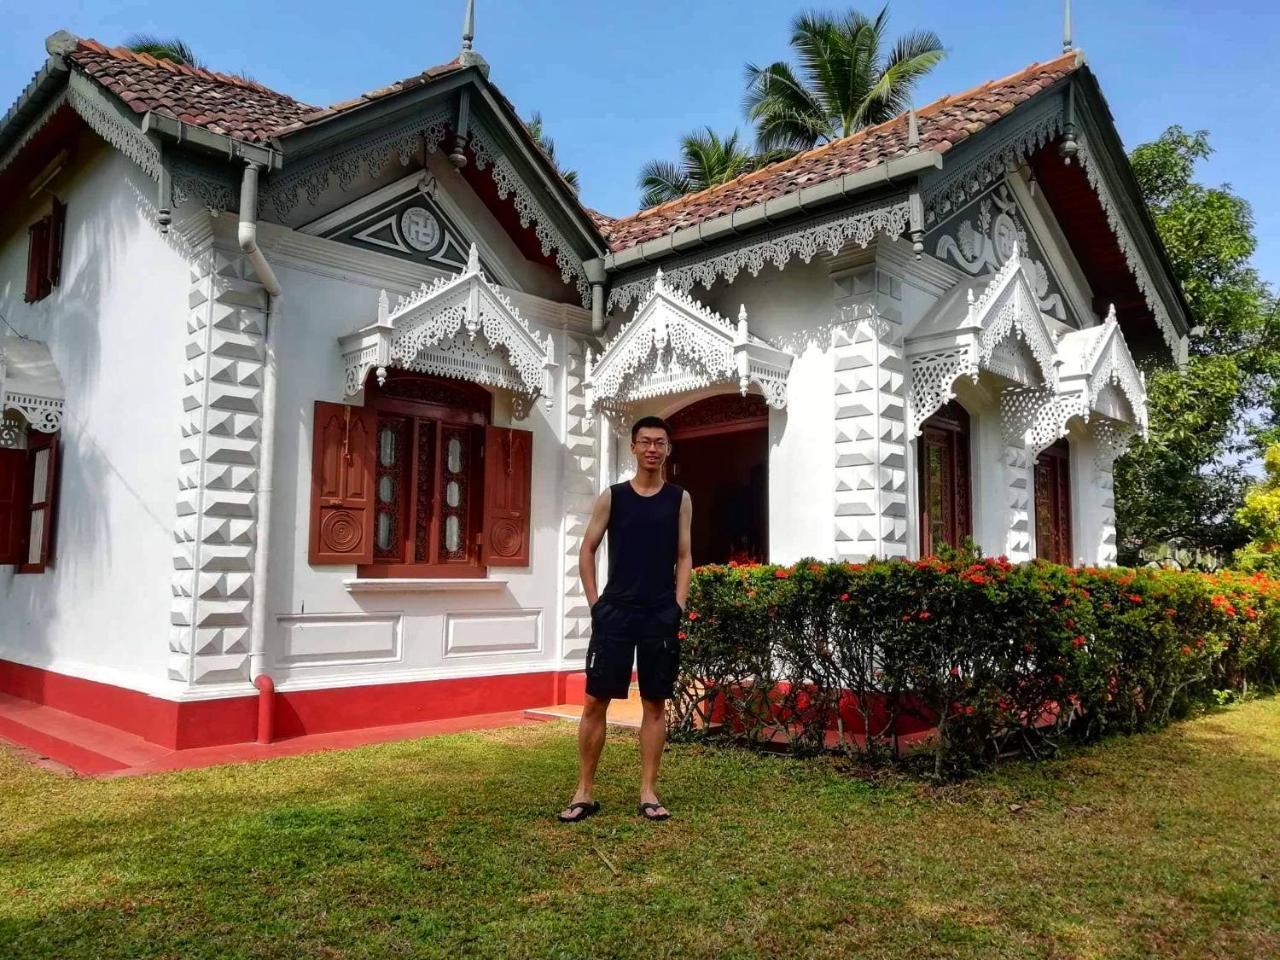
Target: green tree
[(1260, 515), (1182, 487), (538, 131), (174, 50), (706, 159), (844, 81)]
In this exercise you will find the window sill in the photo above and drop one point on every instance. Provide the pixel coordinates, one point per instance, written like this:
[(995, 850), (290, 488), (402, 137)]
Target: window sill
[(423, 584)]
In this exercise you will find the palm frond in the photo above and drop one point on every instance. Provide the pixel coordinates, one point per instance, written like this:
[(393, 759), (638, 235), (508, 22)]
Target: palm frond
[(785, 112), (174, 50), (660, 181)]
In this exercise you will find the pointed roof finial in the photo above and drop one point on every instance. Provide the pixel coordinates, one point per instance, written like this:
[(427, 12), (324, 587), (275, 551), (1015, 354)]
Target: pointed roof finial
[(473, 259), (468, 57), (1067, 44), (913, 130)]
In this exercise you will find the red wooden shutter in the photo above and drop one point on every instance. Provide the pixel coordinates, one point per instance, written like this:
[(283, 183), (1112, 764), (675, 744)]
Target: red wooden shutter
[(1053, 504), (508, 496), (41, 512), (53, 262), (13, 505), (37, 260), (342, 484)]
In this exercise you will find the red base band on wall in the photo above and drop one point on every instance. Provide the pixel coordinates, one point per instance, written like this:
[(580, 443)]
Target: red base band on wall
[(207, 723)]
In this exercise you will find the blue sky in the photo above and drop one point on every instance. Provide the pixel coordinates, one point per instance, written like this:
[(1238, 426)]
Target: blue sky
[(618, 82)]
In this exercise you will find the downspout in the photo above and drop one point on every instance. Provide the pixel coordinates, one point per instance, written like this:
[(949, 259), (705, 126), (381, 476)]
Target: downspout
[(596, 276), (248, 236)]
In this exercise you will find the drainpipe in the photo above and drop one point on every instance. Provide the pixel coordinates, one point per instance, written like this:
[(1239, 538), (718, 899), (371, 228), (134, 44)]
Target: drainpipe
[(596, 276), (248, 235)]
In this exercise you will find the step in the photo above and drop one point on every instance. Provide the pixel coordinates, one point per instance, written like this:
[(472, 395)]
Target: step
[(87, 747)]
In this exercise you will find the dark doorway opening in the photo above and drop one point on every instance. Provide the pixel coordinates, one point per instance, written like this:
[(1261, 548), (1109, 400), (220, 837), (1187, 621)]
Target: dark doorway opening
[(721, 457)]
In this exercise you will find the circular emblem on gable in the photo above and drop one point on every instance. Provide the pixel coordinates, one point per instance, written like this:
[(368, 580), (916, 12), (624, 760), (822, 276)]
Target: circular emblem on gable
[(1005, 236), (420, 228)]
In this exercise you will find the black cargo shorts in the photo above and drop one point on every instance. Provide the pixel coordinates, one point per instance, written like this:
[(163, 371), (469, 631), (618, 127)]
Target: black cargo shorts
[(645, 636)]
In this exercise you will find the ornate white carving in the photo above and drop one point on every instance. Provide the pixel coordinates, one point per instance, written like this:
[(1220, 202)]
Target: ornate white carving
[(369, 156), (778, 247), (1096, 360), (30, 384), (870, 440), (999, 238), (948, 345), (461, 326), (510, 183), (1132, 255), (13, 431), (674, 344), (1036, 417)]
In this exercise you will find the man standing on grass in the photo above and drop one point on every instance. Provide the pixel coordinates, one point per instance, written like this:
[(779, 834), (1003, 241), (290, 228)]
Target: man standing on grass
[(638, 616)]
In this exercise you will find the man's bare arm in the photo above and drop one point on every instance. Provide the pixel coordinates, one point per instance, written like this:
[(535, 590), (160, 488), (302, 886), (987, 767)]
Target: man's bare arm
[(591, 540), (684, 552)]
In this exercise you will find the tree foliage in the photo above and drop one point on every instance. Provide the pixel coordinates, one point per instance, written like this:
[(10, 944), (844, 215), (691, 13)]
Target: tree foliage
[(174, 50), (706, 160), (1180, 489), (538, 131), (1260, 515), (845, 80)]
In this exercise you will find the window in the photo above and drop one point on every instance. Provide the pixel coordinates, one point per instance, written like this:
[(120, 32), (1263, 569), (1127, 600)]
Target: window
[(945, 516), (416, 483), (1053, 504), (28, 503), (44, 253)]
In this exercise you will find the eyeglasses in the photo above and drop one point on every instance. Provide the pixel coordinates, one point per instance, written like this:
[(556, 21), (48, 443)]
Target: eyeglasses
[(645, 443)]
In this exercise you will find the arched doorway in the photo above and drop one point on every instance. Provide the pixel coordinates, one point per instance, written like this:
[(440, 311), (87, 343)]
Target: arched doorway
[(721, 456), (945, 504)]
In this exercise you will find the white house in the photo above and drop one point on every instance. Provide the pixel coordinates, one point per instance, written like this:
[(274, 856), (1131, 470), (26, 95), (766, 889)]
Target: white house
[(325, 395)]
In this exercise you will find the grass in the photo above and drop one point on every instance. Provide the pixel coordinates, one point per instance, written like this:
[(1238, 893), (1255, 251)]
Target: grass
[(1164, 845)]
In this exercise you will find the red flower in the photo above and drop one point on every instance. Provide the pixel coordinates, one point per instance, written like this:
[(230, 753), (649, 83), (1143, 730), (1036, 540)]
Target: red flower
[(1071, 624), (693, 615), (1057, 678), (1251, 613), (844, 598), (1134, 598), (1077, 642), (955, 671), (680, 635), (1028, 648), (906, 617), (1186, 651), (1170, 612), (925, 614), (782, 573)]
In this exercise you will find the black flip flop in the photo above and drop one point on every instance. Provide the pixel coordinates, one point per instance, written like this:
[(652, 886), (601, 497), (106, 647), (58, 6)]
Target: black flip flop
[(582, 809), (645, 814)]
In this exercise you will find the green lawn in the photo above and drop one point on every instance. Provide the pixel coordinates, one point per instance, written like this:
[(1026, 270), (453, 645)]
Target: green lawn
[(1166, 845)]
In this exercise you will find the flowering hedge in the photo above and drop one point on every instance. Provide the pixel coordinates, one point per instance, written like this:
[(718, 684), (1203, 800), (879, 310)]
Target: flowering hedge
[(974, 656)]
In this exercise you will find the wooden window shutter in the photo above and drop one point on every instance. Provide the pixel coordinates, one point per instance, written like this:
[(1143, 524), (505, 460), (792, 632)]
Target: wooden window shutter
[(508, 497), (37, 261), (39, 518), (53, 262), (13, 504), (342, 484)]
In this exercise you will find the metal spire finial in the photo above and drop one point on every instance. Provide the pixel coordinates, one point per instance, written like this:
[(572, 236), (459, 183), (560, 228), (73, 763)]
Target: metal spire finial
[(469, 26), (1067, 44)]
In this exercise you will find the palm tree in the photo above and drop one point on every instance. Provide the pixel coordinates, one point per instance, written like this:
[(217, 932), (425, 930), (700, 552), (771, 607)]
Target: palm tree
[(706, 159), (539, 134), (175, 50), (844, 80)]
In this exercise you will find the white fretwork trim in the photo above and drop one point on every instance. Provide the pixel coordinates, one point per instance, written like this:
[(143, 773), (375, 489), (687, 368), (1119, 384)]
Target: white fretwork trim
[(369, 157), (1132, 254), (111, 126), (1037, 417), (1096, 359), (1006, 310), (673, 345), (511, 184), (778, 247), (41, 413), (461, 326)]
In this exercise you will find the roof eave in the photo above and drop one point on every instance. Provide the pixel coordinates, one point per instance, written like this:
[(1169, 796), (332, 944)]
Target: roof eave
[(1116, 163), (48, 82), (898, 172)]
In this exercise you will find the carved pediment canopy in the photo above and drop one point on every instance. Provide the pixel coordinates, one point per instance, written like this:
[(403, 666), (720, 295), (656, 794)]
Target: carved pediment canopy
[(674, 345), (1001, 331), (461, 326)]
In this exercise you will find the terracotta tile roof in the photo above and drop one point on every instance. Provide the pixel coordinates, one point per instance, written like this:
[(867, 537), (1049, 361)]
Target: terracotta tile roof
[(225, 104), (942, 124), (602, 221), (219, 102)]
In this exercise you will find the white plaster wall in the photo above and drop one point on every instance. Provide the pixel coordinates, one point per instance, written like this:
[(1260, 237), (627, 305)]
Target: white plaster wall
[(377, 637), (115, 327)]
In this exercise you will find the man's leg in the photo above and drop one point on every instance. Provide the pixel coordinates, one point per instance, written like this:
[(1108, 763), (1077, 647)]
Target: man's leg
[(653, 734), (591, 731)]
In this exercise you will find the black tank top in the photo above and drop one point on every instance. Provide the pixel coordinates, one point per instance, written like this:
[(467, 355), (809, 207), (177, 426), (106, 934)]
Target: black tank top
[(644, 535)]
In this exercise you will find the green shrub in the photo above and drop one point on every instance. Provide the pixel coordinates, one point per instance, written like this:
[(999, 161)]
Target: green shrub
[(990, 656)]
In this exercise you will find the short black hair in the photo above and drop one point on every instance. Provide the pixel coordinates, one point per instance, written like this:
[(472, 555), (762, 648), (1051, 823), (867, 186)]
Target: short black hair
[(655, 423)]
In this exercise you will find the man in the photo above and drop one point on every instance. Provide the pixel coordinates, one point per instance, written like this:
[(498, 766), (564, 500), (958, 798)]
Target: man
[(638, 616)]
